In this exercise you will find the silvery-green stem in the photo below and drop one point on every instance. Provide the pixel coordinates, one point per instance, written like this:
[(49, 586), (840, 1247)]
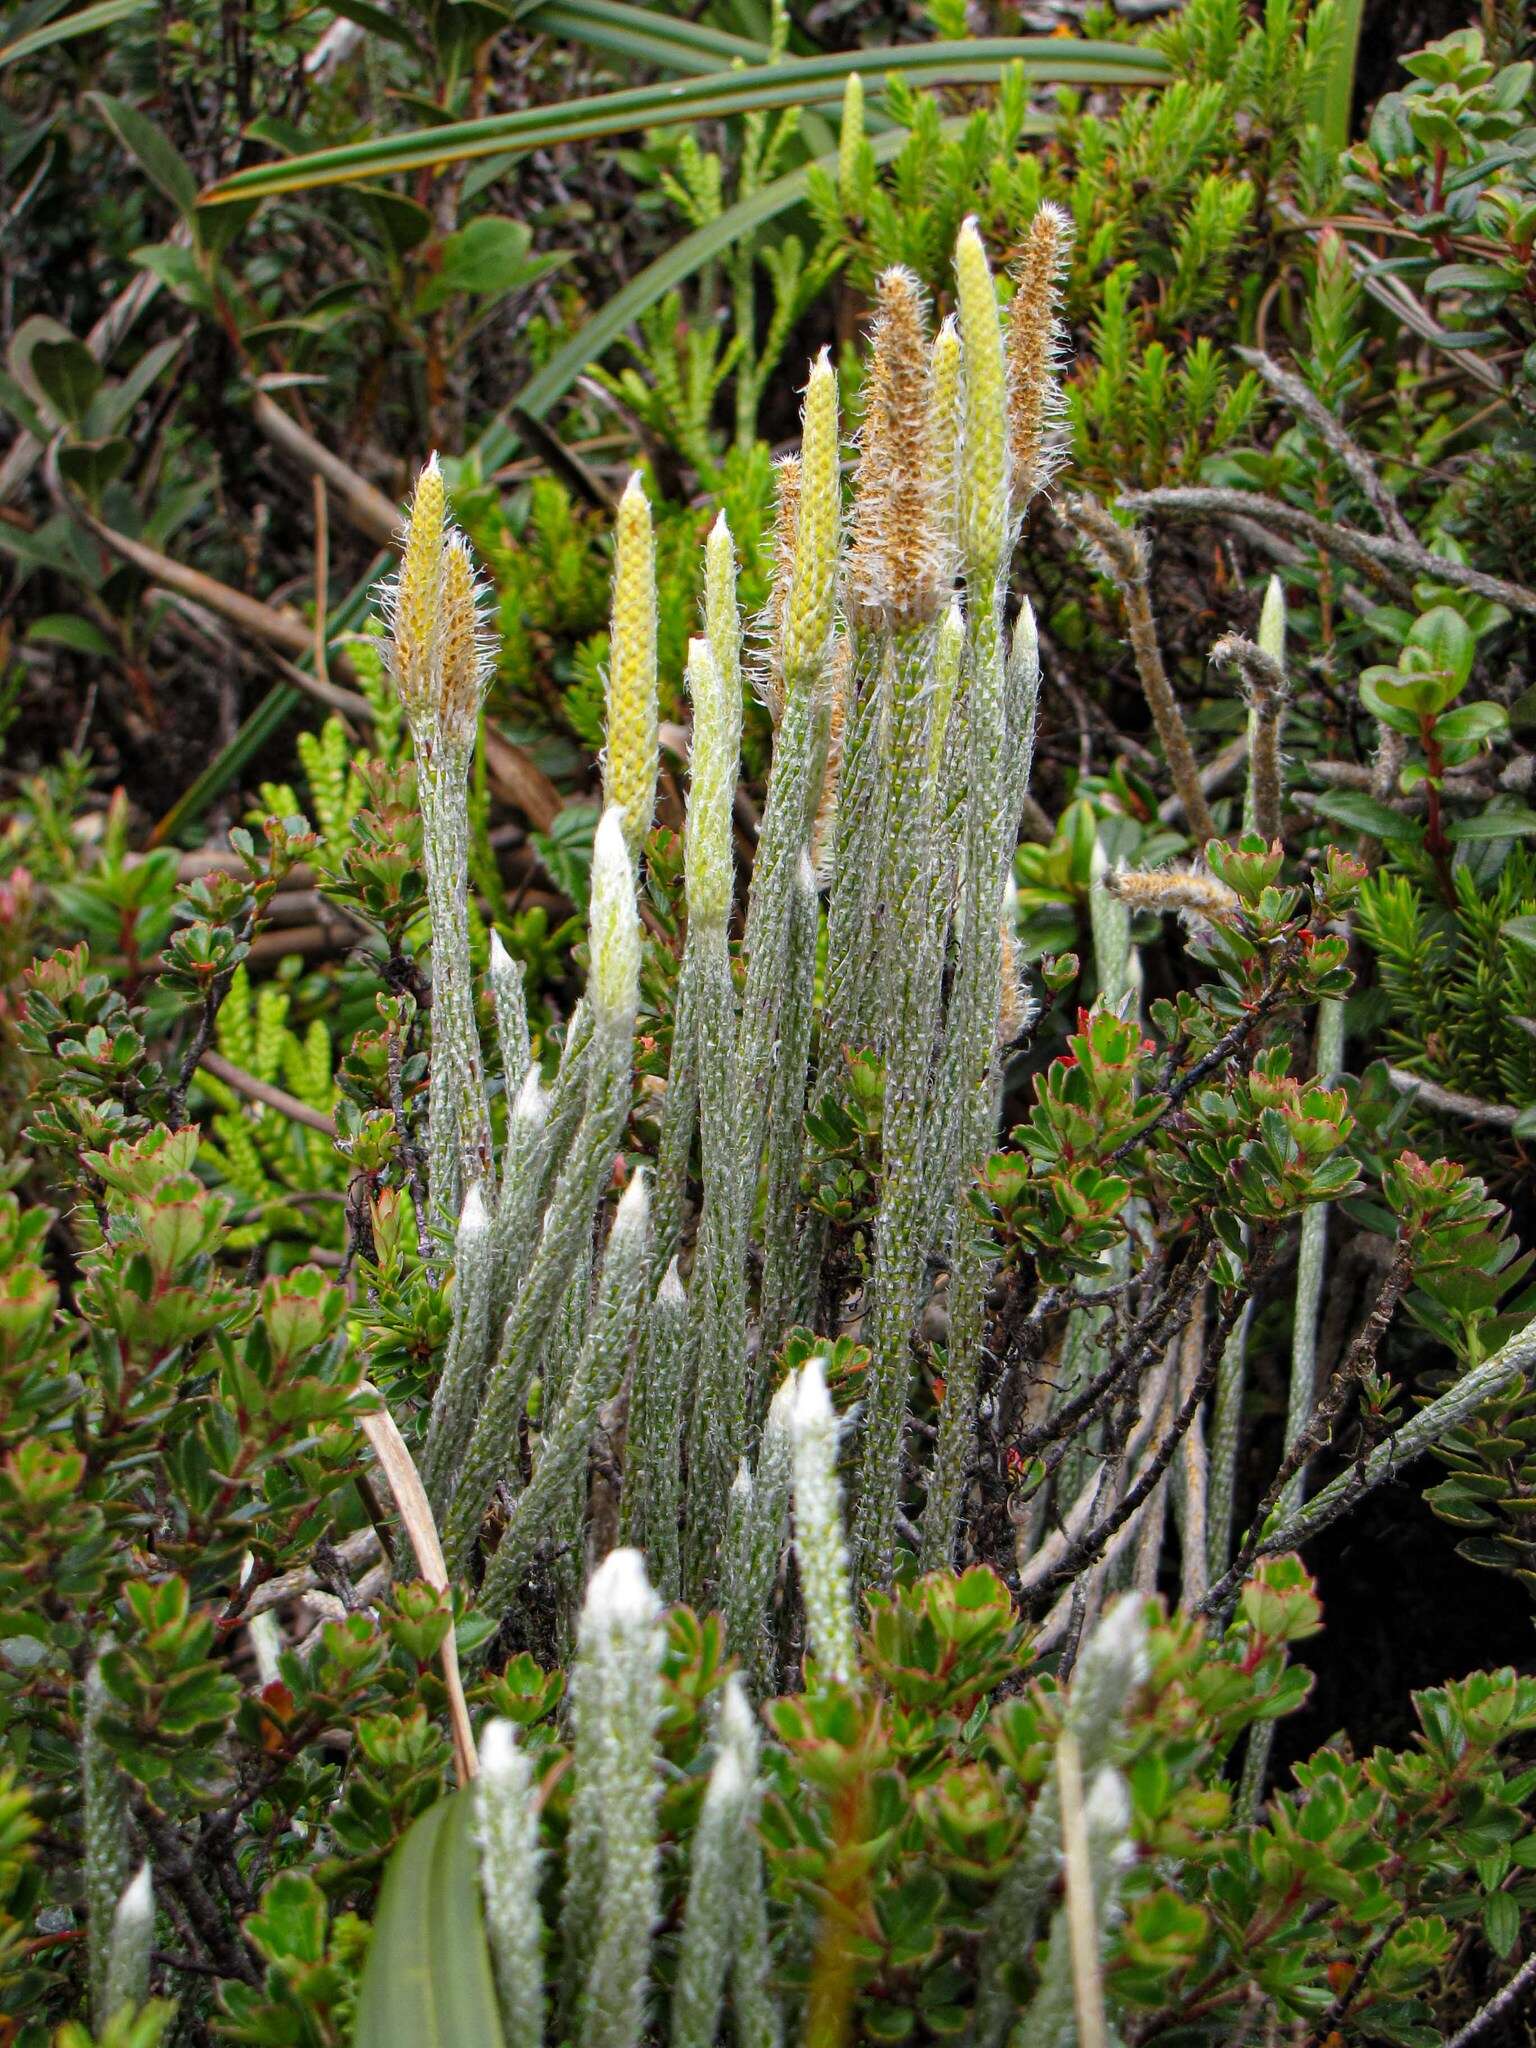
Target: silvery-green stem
[(613, 996), (820, 1548), (565, 1237), (653, 1469), (786, 1128), (519, 1203), (1052, 2020), (567, 1432), (568, 1094), (1226, 1435), (717, 1425), (679, 1119), (1310, 1261), (511, 1007), (735, 1563), (969, 1065), (613, 1898), (507, 1829), (1113, 1663), (750, 1583), (909, 1000), (562, 1345), (133, 1934), (458, 1390), (858, 833), (758, 2023), (106, 1854), (713, 1903), (1023, 686), (459, 1119)]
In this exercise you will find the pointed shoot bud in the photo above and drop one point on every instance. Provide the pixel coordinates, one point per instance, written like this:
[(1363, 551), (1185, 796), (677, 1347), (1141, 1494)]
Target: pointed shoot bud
[(613, 927)]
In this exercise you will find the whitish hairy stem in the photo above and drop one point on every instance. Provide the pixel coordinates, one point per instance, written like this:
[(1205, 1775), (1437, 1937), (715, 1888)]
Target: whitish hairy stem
[(520, 1202), (107, 1856), (718, 1287), (1266, 688), (459, 1118), (968, 1075), (568, 1096), (1112, 1665), (709, 1917), (820, 1549), (1226, 1434), (786, 1127), (679, 1118), (653, 1448), (458, 1390), (128, 1955), (1514, 1361), (858, 834), (1310, 1266), (566, 1234), (1096, 1849), (758, 2023), (910, 995), (751, 1583), (1194, 1539), (567, 1432), (612, 1893), (507, 1830), (511, 1007)]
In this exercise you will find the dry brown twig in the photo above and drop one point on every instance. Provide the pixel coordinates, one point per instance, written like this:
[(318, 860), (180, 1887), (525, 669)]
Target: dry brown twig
[(1120, 553)]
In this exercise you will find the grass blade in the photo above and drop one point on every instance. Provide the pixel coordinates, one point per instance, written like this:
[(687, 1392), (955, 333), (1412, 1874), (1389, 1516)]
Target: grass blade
[(801, 81), (105, 14)]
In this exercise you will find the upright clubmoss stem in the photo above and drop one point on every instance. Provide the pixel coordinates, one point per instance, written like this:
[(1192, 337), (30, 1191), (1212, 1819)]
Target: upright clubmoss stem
[(594, 1378), (107, 1856), (440, 655), (653, 1464), (453, 1405), (820, 1547), (612, 1894), (507, 1829), (613, 996), (967, 1079)]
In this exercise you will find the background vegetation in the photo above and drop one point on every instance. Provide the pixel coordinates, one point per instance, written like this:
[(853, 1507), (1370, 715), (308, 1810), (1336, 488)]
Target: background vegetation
[(257, 263)]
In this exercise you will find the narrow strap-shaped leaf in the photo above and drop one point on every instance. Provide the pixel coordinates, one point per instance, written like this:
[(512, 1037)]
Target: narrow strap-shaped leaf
[(428, 1981)]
